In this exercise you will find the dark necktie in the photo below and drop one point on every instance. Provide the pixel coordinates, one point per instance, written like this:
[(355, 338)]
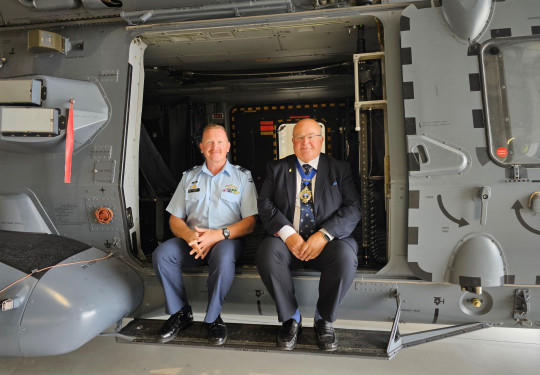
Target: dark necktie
[(307, 216)]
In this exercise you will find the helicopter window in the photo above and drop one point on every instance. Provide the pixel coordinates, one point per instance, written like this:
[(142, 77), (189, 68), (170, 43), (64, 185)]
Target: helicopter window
[(511, 85)]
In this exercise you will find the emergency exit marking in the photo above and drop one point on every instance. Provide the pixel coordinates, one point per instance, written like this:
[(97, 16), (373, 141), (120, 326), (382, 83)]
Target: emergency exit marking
[(502, 152)]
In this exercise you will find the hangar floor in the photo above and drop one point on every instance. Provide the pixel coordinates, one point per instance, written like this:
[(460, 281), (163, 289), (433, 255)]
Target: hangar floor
[(489, 351)]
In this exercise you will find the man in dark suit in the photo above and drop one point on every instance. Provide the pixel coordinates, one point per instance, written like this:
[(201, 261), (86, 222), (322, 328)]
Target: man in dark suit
[(309, 207)]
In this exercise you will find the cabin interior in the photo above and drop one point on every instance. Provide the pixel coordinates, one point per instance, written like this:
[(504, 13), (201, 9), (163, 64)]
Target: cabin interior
[(254, 79)]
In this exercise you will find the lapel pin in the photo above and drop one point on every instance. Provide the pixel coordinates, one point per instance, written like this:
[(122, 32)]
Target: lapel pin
[(290, 170), (335, 182)]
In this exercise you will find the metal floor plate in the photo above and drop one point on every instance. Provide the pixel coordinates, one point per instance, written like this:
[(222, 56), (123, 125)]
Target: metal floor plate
[(260, 338)]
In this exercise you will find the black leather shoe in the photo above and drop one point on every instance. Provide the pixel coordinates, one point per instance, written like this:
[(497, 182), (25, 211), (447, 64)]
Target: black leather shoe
[(176, 323), (217, 332), (326, 337), (288, 334)]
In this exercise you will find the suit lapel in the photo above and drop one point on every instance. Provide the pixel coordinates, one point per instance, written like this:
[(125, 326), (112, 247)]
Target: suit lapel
[(321, 181), (290, 178)]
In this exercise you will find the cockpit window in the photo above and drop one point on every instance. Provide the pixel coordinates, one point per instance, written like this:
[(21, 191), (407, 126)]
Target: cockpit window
[(511, 89)]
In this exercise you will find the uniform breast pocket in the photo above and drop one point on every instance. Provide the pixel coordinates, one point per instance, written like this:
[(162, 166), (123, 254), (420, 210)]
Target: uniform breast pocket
[(193, 196), (230, 198), (194, 201)]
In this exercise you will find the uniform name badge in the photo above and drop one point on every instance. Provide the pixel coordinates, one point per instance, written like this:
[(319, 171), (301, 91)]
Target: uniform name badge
[(194, 188)]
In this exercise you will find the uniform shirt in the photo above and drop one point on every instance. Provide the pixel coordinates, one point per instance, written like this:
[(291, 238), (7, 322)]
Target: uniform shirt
[(214, 202), (287, 230)]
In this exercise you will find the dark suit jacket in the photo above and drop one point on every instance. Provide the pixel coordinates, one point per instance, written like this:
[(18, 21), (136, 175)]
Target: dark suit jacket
[(336, 202)]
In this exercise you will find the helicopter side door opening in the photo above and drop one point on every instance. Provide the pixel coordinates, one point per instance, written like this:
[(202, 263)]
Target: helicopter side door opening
[(255, 81)]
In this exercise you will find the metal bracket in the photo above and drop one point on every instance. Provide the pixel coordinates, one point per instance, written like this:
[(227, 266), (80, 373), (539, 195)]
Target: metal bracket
[(522, 305), (7, 304), (117, 334), (516, 172), (397, 341), (369, 105)]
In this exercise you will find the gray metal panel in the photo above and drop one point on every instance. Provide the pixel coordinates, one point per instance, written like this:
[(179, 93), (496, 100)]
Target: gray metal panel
[(90, 109), (55, 4), (466, 21), (447, 106), (94, 203), (421, 301), (19, 214), (72, 304), (99, 118), (477, 257), (90, 113), (10, 320)]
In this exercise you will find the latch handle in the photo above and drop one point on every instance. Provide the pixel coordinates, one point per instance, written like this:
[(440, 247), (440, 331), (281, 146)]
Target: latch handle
[(484, 195)]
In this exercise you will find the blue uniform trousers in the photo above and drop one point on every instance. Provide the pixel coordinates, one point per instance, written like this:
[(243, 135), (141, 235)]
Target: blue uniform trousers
[(169, 258), (337, 263)]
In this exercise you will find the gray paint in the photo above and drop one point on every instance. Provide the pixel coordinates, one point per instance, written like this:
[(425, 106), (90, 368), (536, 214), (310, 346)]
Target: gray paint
[(90, 112), (429, 98), (477, 256), (10, 320), (69, 305), (468, 20), (447, 91), (39, 168), (370, 298), (18, 213)]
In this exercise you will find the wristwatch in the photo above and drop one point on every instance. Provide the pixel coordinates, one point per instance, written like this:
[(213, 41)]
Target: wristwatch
[(226, 233), (325, 236)]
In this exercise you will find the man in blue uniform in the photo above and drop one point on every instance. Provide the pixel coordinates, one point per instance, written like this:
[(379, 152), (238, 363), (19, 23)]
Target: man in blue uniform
[(309, 207), (213, 206)]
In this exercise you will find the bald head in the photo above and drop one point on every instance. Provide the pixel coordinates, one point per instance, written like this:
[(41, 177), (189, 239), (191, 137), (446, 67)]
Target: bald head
[(307, 139)]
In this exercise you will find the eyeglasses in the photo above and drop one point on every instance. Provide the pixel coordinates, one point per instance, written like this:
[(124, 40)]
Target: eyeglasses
[(309, 137)]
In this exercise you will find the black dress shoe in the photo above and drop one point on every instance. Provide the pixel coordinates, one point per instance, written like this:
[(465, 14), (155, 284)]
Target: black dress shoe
[(176, 323), (288, 334), (217, 332), (326, 337)]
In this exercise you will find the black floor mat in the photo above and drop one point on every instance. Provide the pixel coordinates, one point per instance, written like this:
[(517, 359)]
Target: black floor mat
[(31, 251), (261, 338)]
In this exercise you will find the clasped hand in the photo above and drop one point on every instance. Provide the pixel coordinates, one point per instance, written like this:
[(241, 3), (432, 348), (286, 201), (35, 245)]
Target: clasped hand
[(202, 240), (306, 250)]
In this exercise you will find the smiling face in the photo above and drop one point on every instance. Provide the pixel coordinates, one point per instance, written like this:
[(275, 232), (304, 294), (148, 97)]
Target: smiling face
[(215, 145), (307, 140)]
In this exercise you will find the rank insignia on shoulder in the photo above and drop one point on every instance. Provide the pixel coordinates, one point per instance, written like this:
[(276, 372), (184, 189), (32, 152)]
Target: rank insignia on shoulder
[(190, 169), (241, 169)]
